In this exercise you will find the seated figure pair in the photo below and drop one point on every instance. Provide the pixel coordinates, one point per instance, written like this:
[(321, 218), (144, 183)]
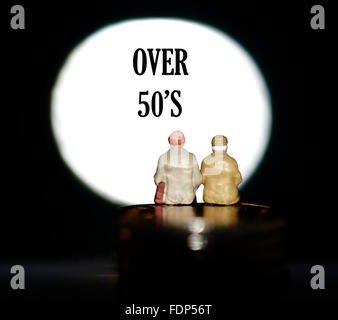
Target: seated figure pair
[(178, 175)]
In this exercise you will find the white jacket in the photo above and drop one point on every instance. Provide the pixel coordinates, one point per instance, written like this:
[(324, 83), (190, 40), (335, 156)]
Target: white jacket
[(179, 170)]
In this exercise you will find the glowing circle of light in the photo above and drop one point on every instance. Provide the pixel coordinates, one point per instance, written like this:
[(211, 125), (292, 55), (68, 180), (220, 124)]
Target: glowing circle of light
[(95, 103)]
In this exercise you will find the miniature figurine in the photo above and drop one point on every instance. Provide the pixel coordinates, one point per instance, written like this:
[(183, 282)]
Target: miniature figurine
[(177, 176), (220, 174)]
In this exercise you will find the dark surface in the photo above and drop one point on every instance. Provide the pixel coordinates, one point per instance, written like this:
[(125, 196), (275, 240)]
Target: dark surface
[(241, 269), (242, 256), (188, 250)]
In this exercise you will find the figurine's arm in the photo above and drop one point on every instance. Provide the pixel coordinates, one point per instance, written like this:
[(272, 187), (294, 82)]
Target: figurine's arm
[(197, 177), (159, 175), (203, 172), (159, 179), (237, 173)]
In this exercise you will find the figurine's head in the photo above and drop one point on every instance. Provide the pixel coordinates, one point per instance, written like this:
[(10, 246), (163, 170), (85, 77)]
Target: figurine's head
[(219, 142), (176, 139)]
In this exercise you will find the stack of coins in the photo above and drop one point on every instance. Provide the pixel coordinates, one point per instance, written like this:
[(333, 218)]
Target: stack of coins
[(201, 250)]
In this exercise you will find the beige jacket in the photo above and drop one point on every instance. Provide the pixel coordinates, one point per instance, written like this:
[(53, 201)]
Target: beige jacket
[(221, 178)]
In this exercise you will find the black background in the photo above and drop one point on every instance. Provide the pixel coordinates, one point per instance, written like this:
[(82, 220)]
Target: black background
[(51, 214)]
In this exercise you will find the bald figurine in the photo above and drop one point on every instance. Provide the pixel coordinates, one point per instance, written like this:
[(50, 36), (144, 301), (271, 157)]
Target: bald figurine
[(220, 174), (177, 176)]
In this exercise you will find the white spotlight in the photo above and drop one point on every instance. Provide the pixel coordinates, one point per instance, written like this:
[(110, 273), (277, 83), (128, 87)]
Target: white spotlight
[(95, 104)]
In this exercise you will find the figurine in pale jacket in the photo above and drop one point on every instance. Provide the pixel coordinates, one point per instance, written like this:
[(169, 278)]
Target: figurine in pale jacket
[(221, 175), (177, 176)]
